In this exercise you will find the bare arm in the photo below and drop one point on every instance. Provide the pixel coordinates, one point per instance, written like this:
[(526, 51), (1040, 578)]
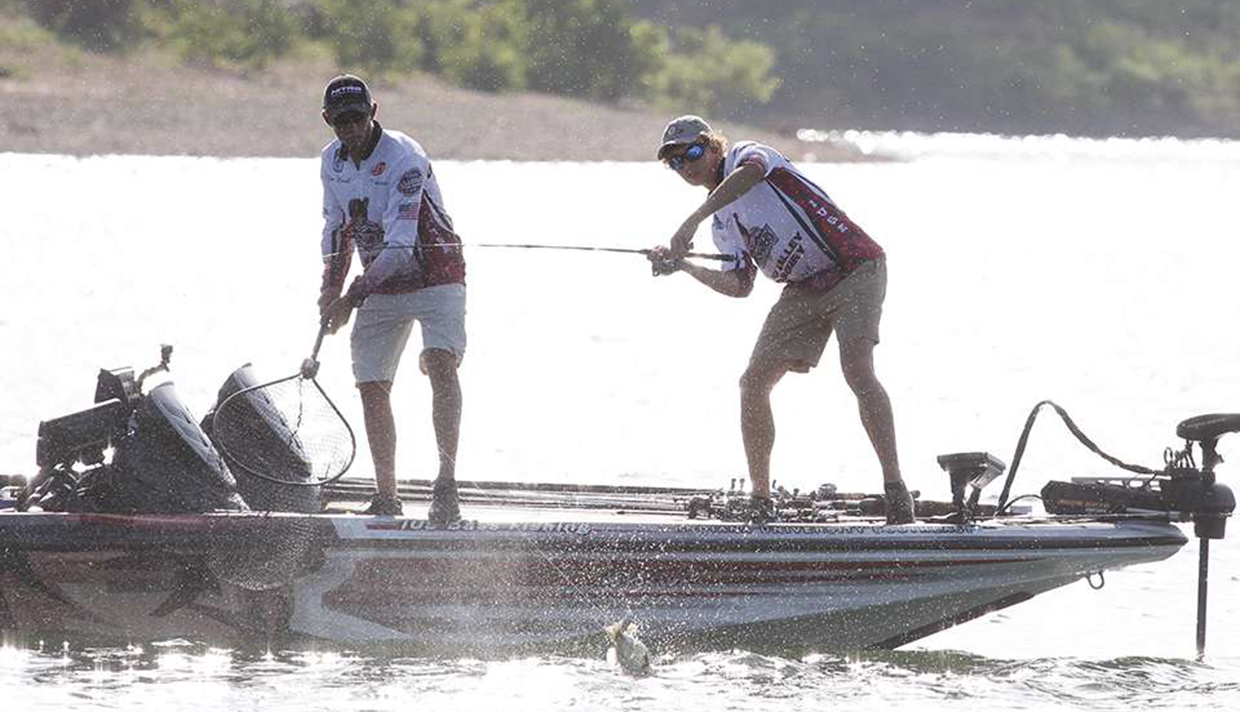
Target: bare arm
[(731, 283), (736, 184)]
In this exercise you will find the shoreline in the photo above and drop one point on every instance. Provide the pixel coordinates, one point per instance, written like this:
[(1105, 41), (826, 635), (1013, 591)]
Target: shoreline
[(109, 106)]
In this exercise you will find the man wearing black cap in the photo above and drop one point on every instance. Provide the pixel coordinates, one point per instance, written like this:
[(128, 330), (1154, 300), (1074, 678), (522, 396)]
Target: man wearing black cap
[(381, 197), (770, 217)]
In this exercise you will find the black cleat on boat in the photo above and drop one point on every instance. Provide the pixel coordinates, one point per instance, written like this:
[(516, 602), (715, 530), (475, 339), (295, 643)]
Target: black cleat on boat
[(445, 508), (899, 503), (384, 505)]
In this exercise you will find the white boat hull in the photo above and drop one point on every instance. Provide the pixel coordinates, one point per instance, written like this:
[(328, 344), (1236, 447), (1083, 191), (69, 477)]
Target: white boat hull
[(511, 584)]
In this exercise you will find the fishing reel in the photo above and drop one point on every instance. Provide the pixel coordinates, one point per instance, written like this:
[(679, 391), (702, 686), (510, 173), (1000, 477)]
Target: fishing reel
[(660, 267), (823, 504)]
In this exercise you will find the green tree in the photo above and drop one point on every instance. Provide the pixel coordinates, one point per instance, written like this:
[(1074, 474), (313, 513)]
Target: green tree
[(480, 46), (102, 25), (377, 35), (245, 33), (706, 71), (583, 48)]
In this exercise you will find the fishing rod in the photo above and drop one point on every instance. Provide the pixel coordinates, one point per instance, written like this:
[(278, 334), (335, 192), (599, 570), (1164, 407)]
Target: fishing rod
[(582, 248), (627, 250)]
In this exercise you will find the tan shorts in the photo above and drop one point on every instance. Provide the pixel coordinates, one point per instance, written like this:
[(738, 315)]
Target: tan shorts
[(798, 326), (385, 321)]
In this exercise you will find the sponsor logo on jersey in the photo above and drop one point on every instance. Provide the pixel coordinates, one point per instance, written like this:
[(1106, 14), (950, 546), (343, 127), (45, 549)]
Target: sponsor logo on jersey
[(368, 235), (411, 182), (791, 255), (379, 168), (758, 241)]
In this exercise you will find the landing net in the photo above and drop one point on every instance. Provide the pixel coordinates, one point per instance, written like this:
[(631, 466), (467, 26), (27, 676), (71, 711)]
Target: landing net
[(287, 432)]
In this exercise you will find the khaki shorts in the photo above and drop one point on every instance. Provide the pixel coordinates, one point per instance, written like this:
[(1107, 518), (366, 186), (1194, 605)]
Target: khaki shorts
[(798, 326), (385, 321)]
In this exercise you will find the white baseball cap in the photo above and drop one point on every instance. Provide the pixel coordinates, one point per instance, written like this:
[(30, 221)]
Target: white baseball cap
[(682, 130)]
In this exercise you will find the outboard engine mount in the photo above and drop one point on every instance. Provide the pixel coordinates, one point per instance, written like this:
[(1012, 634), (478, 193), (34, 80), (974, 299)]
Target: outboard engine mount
[(167, 464)]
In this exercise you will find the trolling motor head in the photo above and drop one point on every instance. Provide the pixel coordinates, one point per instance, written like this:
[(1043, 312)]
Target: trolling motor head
[(1190, 490)]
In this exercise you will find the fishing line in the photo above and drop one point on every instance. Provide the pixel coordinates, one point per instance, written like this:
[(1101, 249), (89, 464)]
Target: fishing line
[(547, 558), (600, 616)]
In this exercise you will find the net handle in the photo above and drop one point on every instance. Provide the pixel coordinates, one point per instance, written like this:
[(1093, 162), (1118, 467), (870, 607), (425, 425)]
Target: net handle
[(310, 367)]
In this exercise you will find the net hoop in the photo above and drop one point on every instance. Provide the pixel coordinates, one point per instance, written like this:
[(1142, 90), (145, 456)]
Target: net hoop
[(236, 454)]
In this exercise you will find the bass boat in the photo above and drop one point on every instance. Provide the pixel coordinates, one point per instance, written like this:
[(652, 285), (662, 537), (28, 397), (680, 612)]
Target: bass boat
[(139, 526)]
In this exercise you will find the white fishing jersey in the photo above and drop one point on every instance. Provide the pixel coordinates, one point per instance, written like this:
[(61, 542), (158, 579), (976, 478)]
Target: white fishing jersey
[(389, 207), (787, 225)]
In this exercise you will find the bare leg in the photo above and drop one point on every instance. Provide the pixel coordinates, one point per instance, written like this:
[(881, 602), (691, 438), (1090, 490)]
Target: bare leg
[(440, 366), (758, 425), (381, 433), (857, 360)]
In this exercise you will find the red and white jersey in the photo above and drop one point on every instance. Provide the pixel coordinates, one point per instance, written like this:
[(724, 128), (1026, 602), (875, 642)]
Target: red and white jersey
[(391, 209), (787, 225)]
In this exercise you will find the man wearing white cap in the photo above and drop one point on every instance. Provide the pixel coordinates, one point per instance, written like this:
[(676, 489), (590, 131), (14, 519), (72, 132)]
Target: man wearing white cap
[(771, 217)]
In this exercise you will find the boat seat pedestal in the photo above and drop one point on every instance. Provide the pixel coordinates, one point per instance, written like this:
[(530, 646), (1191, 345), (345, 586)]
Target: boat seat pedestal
[(969, 469)]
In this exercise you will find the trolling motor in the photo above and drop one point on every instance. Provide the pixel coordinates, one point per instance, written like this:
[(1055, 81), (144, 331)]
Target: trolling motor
[(1180, 490), (1209, 502)]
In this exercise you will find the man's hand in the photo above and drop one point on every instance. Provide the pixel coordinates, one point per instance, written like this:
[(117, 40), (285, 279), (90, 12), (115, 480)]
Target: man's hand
[(682, 241), (325, 301), (337, 313), (661, 263)]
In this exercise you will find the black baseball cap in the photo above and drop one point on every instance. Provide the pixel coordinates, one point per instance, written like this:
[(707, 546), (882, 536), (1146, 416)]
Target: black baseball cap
[(345, 93)]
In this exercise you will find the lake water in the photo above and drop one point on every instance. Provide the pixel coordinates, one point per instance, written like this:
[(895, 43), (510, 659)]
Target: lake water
[(1097, 274)]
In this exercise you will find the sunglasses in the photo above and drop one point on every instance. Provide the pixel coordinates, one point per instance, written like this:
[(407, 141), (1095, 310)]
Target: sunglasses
[(349, 117), (691, 154)]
